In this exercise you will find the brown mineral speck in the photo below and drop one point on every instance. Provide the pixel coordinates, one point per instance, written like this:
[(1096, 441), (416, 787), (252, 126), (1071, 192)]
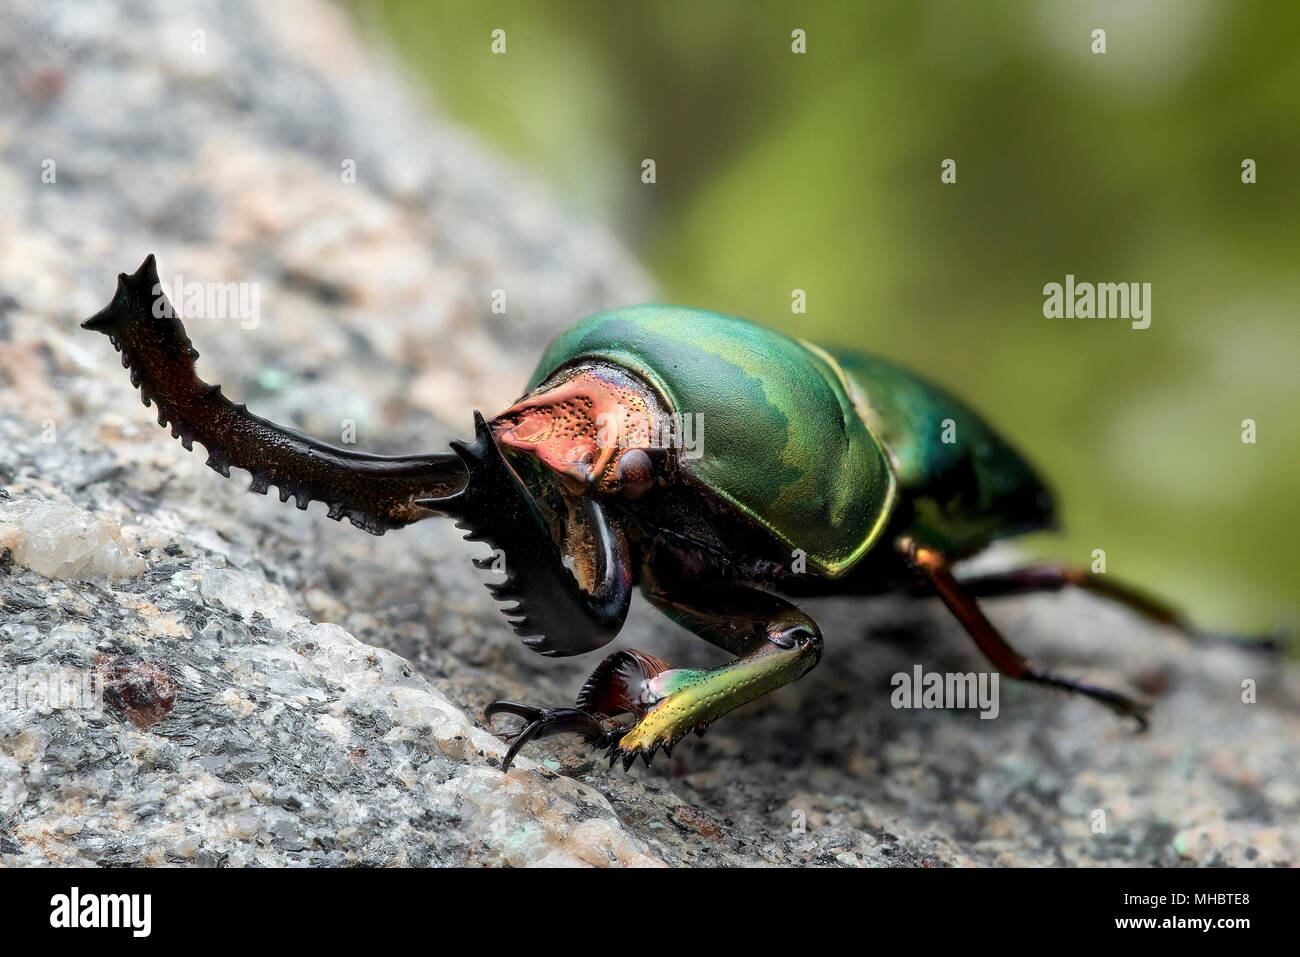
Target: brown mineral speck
[(1154, 681), (141, 690), (45, 83), (693, 819)]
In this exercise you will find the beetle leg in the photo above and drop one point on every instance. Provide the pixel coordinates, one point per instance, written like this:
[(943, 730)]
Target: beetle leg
[(933, 565), (558, 616), (544, 722), (774, 642), (1054, 577)]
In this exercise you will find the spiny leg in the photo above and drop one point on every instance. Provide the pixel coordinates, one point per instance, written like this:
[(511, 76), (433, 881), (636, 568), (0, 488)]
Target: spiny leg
[(775, 643), (933, 565), (544, 722), (1055, 576), (559, 616), (614, 688)]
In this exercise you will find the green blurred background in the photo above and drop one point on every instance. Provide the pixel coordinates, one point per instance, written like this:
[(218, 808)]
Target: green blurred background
[(821, 171)]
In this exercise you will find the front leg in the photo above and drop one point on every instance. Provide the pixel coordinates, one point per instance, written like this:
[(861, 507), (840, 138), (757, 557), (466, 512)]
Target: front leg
[(690, 699), (774, 642), (560, 616)]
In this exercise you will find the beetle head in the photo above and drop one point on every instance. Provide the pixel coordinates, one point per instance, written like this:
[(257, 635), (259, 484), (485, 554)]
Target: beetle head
[(594, 426)]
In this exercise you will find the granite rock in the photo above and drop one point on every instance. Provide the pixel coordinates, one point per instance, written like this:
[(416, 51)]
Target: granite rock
[(192, 674)]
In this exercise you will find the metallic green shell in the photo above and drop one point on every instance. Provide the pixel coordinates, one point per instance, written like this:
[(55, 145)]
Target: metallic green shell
[(782, 439), (960, 495)]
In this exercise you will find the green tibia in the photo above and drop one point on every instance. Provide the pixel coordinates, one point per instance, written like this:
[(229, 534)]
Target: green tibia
[(693, 698)]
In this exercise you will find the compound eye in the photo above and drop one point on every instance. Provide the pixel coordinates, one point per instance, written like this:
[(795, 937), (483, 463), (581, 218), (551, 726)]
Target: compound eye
[(635, 473)]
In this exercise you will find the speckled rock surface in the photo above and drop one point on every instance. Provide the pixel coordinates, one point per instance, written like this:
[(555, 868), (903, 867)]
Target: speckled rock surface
[(279, 688)]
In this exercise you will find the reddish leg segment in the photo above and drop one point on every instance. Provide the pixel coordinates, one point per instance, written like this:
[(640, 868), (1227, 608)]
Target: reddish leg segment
[(933, 565), (1054, 577)]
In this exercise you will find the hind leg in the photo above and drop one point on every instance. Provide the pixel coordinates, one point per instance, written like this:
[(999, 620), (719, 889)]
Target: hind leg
[(1054, 576), (933, 565)]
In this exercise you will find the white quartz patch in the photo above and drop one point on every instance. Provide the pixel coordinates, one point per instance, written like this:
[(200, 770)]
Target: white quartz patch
[(66, 542)]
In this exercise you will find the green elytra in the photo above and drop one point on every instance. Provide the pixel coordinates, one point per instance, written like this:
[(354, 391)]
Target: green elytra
[(815, 446)]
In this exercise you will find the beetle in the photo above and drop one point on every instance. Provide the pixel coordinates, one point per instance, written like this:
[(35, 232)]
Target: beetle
[(721, 467)]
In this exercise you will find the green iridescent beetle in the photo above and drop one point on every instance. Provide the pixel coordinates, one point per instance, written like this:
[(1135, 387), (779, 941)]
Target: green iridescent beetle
[(721, 467)]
